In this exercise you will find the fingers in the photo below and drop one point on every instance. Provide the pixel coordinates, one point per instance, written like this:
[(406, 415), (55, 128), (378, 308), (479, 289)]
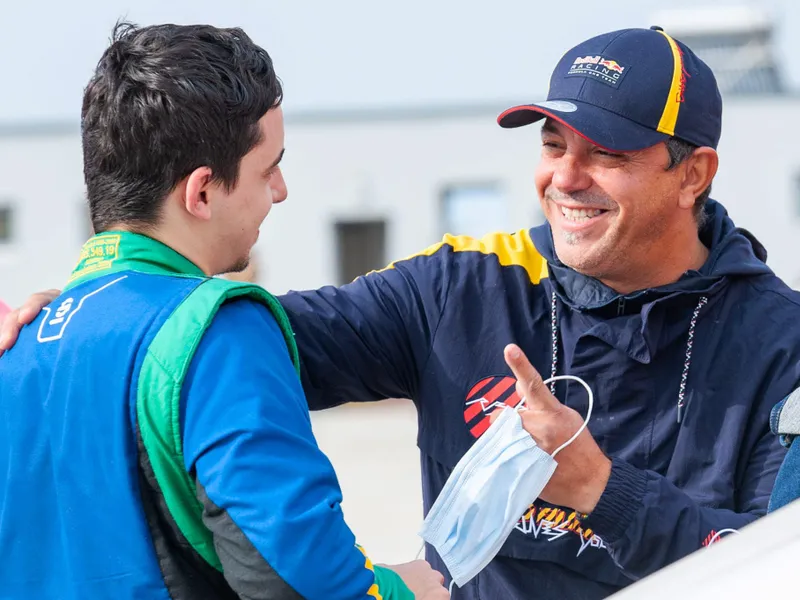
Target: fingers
[(529, 382), (25, 315), (9, 330), (34, 305)]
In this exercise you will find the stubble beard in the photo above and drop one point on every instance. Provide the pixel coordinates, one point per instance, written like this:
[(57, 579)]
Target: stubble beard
[(240, 265)]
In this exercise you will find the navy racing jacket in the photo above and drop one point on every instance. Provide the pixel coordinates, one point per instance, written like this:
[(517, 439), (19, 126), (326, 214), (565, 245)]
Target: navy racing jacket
[(684, 378)]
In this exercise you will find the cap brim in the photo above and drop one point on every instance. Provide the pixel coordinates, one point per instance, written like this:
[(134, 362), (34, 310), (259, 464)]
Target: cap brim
[(599, 126)]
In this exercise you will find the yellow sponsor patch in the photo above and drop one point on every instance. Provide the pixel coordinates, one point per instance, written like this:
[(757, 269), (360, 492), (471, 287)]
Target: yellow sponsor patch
[(98, 254)]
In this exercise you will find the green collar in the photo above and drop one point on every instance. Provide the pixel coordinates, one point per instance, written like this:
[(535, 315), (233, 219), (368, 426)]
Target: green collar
[(115, 251)]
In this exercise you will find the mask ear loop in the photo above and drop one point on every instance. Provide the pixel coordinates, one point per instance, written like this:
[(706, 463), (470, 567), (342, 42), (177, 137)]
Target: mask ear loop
[(420, 551), (521, 406)]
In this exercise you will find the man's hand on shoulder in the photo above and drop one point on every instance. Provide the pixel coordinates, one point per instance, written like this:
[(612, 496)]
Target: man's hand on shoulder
[(11, 324)]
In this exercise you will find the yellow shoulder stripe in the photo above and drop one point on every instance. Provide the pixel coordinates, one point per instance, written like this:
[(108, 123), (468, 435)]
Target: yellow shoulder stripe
[(511, 249)]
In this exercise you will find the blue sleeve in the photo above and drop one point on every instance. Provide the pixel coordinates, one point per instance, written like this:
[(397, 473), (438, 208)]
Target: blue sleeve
[(647, 522), (271, 496), (369, 339)]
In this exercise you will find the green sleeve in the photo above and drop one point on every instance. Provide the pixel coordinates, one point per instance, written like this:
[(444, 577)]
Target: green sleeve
[(390, 586)]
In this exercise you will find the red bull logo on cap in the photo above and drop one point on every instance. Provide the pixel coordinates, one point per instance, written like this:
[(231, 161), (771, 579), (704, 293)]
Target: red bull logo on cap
[(612, 65), (599, 68)]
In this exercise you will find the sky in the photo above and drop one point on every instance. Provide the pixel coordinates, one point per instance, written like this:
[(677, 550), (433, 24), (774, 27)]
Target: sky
[(339, 54)]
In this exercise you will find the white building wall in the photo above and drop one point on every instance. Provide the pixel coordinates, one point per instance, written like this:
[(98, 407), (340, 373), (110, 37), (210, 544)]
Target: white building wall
[(395, 170), (41, 178), (757, 180), (391, 166)]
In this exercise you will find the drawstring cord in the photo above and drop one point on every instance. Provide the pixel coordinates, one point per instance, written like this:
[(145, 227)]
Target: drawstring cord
[(554, 336), (686, 363)]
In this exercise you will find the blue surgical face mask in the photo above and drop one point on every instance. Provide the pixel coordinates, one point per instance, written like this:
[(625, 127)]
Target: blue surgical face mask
[(488, 491)]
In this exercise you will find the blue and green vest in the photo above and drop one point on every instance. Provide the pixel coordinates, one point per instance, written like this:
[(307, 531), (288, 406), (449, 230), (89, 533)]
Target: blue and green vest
[(99, 487)]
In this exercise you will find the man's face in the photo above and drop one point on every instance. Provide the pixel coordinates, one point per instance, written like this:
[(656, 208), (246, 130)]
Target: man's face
[(606, 209), (259, 186)]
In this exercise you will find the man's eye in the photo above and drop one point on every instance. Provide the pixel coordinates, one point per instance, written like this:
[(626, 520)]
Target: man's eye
[(609, 154)]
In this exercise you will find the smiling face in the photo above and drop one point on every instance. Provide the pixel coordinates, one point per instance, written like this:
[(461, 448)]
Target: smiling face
[(611, 213)]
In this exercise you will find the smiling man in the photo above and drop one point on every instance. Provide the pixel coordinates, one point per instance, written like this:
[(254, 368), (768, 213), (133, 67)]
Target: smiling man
[(638, 283)]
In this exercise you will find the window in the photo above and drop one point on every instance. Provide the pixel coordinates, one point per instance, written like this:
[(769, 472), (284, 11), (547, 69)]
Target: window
[(6, 224), (475, 210), (360, 248)]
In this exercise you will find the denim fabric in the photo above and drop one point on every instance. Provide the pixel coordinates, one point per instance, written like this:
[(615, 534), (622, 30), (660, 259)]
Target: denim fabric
[(787, 484)]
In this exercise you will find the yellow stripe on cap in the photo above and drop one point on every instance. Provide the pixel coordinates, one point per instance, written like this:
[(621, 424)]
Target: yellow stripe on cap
[(670, 115)]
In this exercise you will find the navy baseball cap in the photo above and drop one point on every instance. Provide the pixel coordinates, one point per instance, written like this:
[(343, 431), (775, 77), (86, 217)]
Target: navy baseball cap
[(628, 90)]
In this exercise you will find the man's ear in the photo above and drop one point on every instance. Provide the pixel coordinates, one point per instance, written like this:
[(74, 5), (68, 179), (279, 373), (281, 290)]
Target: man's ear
[(701, 167), (195, 198)]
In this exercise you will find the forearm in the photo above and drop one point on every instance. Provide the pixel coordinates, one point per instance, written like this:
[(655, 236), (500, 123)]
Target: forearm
[(361, 342)]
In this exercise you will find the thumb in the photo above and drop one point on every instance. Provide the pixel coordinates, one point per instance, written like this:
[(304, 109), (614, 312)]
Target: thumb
[(529, 382)]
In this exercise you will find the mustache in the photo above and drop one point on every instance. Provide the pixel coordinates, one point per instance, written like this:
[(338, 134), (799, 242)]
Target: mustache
[(588, 199)]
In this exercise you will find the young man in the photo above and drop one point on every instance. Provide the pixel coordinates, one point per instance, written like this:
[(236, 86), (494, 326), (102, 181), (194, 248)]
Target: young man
[(156, 442), (638, 284)]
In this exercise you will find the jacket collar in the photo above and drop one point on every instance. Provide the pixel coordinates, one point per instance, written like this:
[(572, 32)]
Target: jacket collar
[(114, 251)]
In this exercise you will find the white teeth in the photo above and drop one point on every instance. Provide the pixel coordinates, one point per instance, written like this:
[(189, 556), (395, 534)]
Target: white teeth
[(579, 214)]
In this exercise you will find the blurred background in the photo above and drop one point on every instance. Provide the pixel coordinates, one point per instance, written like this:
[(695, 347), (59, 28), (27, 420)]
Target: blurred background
[(391, 141)]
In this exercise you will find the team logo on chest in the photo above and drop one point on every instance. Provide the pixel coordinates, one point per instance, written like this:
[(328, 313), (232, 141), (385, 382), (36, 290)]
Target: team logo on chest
[(485, 397)]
